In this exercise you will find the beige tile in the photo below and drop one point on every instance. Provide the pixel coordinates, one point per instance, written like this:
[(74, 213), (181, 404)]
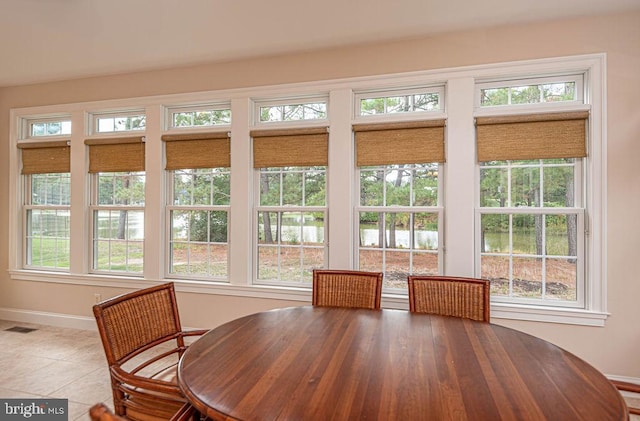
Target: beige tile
[(46, 380), (92, 388)]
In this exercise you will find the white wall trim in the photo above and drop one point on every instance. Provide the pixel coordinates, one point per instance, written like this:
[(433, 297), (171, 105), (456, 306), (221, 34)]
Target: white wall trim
[(49, 319)]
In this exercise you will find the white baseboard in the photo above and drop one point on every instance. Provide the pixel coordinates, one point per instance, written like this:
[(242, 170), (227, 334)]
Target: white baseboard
[(51, 319)]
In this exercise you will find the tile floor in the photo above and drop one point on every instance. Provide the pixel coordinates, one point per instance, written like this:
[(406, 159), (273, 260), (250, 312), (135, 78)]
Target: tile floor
[(53, 362), (60, 363)]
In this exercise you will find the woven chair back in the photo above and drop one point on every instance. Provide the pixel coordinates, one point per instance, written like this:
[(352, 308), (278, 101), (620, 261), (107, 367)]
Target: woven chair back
[(136, 320), (450, 296), (342, 288)]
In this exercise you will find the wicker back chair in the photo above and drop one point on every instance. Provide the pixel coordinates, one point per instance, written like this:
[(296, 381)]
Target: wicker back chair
[(143, 341), (450, 296), (347, 288), (628, 387)]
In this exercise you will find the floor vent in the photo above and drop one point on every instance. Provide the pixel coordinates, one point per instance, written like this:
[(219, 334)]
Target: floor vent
[(20, 329)]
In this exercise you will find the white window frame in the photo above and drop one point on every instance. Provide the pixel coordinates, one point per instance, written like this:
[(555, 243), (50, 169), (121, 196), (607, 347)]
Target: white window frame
[(578, 79), (175, 109), (27, 127), (459, 191), (94, 117), (399, 91), (259, 103), (170, 207)]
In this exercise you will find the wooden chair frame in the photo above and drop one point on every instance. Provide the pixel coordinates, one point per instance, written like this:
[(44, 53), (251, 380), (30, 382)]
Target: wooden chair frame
[(628, 387), (450, 296), (347, 288), (132, 324)]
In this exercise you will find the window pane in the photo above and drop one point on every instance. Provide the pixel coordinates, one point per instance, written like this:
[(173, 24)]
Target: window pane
[(292, 192), (314, 188), (397, 268), (558, 186), (51, 189), (425, 231), (398, 183), (118, 240), (425, 185), (270, 188), (201, 118), (120, 123), (495, 233), (291, 241), (50, 128), (47, 239), (315, 110), (125, 188), (375, 103), (525, 187), (371, 187), (494, 187)]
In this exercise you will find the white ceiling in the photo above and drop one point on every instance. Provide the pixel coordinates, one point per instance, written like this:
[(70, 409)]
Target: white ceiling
[(46, 40)]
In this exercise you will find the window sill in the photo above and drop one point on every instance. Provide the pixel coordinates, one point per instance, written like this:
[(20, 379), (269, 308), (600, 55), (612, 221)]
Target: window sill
[(498, 310)]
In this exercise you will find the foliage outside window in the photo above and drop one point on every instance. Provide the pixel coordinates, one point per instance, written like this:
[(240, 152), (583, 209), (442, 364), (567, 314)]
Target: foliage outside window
[(395, 102), (199, 223), (280, 111), (291, 223), (530, 245), (57, 127), (399, 221), (48, 221), (533, 91), (118, 222), (199, 116), (115, 123)]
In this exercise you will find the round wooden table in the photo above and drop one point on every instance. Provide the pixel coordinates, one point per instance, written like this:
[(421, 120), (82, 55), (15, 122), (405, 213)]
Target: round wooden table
[(318, 363)]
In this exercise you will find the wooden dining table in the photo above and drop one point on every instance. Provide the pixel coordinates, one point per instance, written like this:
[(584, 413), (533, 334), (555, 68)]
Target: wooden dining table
[(321, 363)]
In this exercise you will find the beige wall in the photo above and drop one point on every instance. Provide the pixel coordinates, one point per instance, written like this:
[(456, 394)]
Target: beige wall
[(613, 348)]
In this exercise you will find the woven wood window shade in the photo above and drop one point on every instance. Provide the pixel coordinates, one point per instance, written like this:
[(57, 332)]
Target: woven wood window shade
[(46, 157), (121, 154), (197, 150), (399, 143), (532, 136), (290, 147)]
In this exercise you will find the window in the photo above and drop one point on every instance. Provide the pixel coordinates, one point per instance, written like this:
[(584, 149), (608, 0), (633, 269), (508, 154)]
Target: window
[(119, 122), (381, 173), (198, 205), (46, 206), (399, 215), (117, 204), (199, 116), (291, 110), (48, 127), (291, 214), (399, 101), (531, 213), (531, 91)]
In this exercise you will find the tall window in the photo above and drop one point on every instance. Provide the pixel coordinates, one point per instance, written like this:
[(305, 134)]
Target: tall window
[(531, 214), (198, 206), (47, 196), (399, 212), (117, 204), (291, 214)]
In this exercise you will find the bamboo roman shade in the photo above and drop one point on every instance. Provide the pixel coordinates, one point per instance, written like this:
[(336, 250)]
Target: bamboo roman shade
[(411, 142), (46, 157), (197, 150), (120, 154), (532, 136), (305, 147)]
